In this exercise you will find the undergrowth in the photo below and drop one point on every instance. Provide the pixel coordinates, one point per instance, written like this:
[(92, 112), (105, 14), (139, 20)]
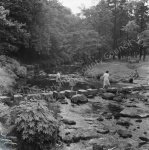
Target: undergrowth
[(36, 127)]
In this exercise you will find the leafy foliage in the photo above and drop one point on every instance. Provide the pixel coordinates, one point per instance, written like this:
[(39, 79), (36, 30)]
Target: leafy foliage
[(12, 67), (35, 124), (11, 33)]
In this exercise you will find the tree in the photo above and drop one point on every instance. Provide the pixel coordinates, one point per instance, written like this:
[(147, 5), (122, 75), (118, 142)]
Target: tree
[(12, 34), (141, 14), (131, 30)]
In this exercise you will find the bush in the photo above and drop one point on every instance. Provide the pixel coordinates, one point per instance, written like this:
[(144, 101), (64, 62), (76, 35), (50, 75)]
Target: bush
[(12, 67), (36, 126), (4, 112), (6, 81)]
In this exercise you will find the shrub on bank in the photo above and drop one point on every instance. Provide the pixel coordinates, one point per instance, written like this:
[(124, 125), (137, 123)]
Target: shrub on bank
[(36, 127), (6, 81), (12, 67)]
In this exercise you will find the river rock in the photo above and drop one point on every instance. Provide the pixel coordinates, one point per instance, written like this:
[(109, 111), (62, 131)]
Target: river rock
[(139, 120), (108, 96), (118, 98), (124, 122), (103, 130), (145, 87), (112, 90), (69, 93), (79, 98), (85, 92), (59, 95), (69, 122), (92, 91), (100, 118), (63, 101), (143, 138), (124, 133), (89, 134), (128, 88), (5, 99), (18, 98), (134, 113), (98, 147), (114, 80), (103, 143), (34, 96), (90, 96), (108, 116), (47, 96)]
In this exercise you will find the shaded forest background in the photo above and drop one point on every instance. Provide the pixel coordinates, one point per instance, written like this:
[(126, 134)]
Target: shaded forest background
[(47, 33)]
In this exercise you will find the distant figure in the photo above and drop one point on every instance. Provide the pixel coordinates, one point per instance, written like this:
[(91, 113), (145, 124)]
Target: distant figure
[(106, 82), (133, 76), (136, 74), (58, 79), (72, 83)]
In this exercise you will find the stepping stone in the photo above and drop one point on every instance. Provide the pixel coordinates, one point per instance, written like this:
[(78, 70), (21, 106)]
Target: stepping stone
[(47, 96), (112, 90), (4, 99), (128, 88), (85, 92), (103, 130), (34, 96), (69, 93), (79, 98), (138, 87), (145, 87), (69, 122), (18, 99), (92, 91), (60, 95), (108, 96)]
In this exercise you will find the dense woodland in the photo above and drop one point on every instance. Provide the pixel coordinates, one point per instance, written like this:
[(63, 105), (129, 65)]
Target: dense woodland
[(46, 32)]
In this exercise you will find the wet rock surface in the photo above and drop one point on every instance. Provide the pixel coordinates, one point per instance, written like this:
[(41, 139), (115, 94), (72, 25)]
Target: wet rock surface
[(106, 124), (79, 98), (108, 96)]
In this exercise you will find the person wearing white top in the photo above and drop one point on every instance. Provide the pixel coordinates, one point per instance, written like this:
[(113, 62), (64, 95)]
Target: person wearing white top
[(58, 79), (106, 82)]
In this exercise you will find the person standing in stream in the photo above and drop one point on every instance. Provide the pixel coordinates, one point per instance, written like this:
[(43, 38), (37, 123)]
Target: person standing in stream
[(106, 82), (58, 80)]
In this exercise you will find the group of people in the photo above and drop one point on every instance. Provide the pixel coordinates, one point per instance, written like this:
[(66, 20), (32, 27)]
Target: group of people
[(106, 81)]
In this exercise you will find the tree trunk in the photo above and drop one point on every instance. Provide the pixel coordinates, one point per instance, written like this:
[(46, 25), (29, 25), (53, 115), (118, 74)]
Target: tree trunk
[(144, 54)]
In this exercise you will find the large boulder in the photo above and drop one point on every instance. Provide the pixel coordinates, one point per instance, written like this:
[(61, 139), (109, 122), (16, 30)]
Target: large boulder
[(79, 98), (108, 96), (69, 93)]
